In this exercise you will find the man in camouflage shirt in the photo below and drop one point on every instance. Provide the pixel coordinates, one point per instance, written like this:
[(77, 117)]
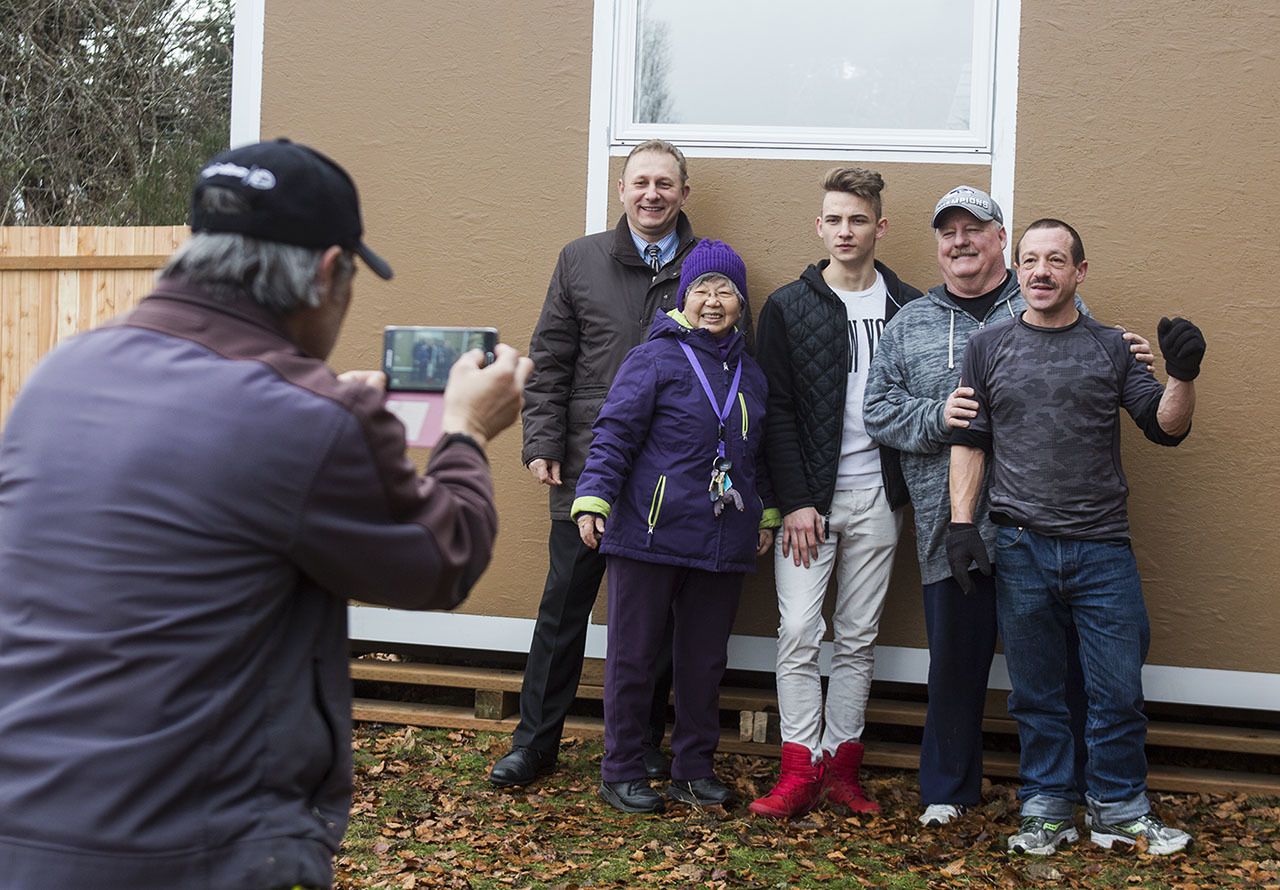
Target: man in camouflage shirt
[(1049, 388)]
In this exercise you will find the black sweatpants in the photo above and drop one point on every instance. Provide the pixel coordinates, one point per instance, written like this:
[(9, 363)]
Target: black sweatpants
[(554, 667)]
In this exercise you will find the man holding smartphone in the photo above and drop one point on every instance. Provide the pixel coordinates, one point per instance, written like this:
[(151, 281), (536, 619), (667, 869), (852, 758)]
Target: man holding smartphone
[(603, 295), (188, 496)]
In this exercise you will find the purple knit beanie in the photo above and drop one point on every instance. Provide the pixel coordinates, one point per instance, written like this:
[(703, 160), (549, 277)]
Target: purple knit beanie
[(710, 257)]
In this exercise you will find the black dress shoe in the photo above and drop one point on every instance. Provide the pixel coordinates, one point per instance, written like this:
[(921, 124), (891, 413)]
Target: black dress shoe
[(632, 797), (708, 792), (520, 767), (656, 765)]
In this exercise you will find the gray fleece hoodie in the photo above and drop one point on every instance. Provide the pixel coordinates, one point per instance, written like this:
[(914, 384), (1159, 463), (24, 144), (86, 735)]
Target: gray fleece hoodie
[(916, 367)]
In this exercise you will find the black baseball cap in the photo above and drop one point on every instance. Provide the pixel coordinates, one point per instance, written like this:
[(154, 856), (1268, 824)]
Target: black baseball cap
[(295, 195)]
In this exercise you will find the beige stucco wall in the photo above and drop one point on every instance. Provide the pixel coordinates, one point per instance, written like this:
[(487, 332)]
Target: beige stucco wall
[(1153, 127), (465, 125)]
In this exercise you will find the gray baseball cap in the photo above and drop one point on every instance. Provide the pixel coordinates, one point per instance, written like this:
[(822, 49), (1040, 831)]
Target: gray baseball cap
[(966, 197)]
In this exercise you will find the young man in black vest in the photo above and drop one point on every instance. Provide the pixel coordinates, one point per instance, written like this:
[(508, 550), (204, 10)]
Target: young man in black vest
[(840, 493)]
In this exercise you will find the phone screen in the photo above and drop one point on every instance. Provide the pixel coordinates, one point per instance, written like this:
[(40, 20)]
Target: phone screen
[(417, 358)]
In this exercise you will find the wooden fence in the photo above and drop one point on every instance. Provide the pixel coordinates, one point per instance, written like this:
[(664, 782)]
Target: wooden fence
[(56, 282)]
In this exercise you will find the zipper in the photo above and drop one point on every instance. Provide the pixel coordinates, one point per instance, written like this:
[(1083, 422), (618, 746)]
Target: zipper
[(742, 404), (655, 506)]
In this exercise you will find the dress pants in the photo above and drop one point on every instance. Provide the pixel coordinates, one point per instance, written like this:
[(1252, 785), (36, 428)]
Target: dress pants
[(643, 598), (554, 667)]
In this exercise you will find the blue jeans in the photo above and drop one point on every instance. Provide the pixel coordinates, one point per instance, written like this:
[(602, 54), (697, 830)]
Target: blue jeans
[(962, 640), (1043, 587)]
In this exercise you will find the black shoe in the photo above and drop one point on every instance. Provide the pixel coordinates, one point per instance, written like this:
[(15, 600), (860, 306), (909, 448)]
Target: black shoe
[(632, 797), (656, 765), (708, 792), (520, 767)]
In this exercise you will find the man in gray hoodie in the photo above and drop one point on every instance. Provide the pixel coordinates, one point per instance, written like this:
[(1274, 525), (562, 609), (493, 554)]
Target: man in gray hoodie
[(913, 400)]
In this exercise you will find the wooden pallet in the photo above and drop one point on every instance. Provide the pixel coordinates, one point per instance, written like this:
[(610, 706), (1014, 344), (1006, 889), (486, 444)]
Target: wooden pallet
[(497, 700)]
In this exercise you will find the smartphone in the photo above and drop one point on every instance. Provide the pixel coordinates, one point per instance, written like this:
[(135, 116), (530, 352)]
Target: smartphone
[(417, 358)]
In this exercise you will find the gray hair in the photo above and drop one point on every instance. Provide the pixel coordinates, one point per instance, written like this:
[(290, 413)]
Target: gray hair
[(278, 277)]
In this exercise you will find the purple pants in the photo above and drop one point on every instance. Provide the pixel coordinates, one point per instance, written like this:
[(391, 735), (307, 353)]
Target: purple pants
[(701, 606)]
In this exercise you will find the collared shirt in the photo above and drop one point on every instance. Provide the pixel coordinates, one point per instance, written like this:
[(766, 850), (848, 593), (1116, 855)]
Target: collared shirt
[(666, 246)]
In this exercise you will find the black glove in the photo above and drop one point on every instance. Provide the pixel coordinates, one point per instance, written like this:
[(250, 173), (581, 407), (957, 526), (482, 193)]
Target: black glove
[(1182, 345), (964, 546)]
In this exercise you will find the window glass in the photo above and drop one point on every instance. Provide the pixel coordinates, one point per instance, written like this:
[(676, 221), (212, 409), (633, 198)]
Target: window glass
[(808, 70)]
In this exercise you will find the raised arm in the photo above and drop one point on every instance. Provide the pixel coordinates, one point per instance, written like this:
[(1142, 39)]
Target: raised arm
[(372, 529), (1182, 345)]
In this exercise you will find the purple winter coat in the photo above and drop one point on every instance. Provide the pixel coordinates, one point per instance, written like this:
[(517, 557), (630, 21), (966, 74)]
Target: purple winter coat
[(654, 443)]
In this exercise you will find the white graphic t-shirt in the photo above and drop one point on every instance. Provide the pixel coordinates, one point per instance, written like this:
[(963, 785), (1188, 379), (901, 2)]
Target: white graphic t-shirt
[(859, 456)]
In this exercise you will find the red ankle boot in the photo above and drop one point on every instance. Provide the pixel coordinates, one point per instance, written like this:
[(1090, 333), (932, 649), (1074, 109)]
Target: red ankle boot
[(843, 790), (798, 788)]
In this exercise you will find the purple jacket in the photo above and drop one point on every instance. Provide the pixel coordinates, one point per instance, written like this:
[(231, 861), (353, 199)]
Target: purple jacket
[(654, 444)]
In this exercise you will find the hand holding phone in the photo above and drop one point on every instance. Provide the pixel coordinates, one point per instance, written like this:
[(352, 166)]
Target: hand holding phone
[(482, 401)]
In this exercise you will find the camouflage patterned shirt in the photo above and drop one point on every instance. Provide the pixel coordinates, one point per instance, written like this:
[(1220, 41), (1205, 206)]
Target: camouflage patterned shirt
[(1049, 416)]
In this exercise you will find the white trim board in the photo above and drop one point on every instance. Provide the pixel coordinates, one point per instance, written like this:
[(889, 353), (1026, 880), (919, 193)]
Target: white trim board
[(598, 137), (1161, 683), (246, 72), (845, 155), (1004, 112)]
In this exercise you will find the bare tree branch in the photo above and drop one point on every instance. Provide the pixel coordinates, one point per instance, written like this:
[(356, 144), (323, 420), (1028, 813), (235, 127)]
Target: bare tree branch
[(106, 106)]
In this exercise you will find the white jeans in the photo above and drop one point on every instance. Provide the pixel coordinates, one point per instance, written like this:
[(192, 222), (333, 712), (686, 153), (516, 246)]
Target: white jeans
[(862, 537)]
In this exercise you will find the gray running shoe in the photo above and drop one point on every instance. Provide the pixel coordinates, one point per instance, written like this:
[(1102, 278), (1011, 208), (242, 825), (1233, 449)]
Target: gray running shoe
[(1039, 836), (1161, 839)]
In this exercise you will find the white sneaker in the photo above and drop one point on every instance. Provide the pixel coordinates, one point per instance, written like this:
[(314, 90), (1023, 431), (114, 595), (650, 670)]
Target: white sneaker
[(1161, 839), (936, 814)]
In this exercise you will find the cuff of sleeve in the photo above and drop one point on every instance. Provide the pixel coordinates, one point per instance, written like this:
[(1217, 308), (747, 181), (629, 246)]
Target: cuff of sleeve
[(942, 432), (450, 438), (529, 455), (971, 438), (1149, 420), (771, 518), (588, 504)]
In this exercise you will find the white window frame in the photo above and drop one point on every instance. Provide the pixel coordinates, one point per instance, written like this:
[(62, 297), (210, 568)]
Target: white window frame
[(973, 145), (246, 71)]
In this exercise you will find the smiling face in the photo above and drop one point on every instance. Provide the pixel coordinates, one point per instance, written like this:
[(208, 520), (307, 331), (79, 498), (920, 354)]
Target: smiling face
[(652, 193), (712, 304), (850, 228), (1049, 275), (970, 253)]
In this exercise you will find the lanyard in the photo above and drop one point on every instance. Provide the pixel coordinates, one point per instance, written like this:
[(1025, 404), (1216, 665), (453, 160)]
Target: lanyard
[(721, 413)]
